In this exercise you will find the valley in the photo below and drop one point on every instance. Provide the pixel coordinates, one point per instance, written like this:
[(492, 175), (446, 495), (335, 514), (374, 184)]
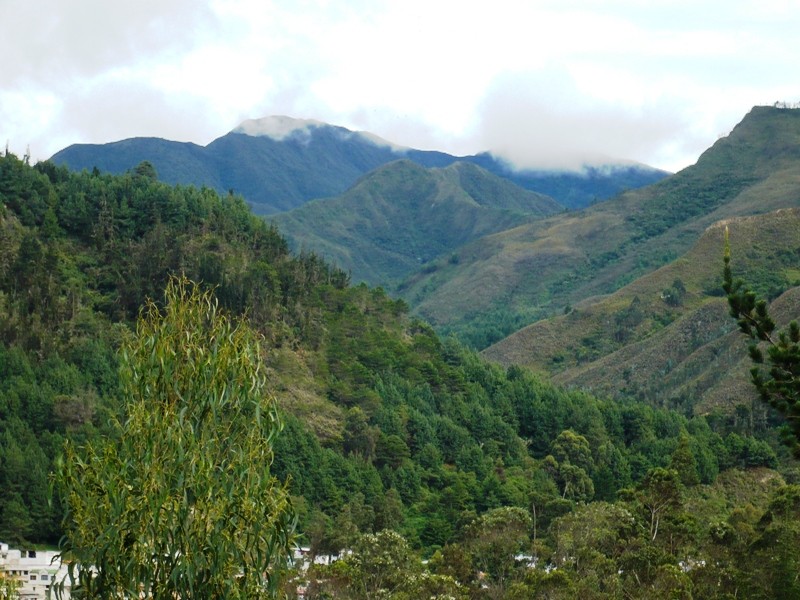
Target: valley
[(605, 442)]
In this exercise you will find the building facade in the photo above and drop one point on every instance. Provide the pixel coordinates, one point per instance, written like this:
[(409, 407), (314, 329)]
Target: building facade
[(34, 571)]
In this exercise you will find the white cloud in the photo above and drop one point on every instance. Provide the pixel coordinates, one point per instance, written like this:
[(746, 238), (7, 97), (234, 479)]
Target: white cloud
[(49, 41), (542, 120), (554, 80)]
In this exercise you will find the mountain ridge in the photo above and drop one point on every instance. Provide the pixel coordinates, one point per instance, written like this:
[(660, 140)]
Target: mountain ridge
[(312, 160), (402, 215), (600, 249), (668, 337)]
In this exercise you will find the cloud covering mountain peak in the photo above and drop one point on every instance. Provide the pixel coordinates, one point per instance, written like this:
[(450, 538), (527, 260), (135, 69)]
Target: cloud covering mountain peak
[(277, 127), (281, 127)]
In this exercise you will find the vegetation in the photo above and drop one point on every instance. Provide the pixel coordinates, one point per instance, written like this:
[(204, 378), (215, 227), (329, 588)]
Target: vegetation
[(179, 500), (403, 217), (666, 338), (779, 385), (665, 540), (537, 269), (509, 485), (276, 176)]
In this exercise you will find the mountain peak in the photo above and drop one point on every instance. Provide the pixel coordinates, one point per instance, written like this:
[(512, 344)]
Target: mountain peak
[(281, 127), (277, 127)]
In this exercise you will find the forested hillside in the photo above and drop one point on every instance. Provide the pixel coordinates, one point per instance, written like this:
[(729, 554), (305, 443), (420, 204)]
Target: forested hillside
[(493, 473), (401, 217)]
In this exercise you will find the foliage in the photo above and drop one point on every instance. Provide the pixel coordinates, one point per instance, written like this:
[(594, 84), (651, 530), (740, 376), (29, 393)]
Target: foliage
[(9, 587), (583, 258), (180, 501), (386, 425), (401, 218), (632, 343), (321, 162), (777, 381)]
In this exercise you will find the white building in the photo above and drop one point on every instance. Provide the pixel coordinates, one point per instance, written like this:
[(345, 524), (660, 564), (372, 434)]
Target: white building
[(36, 571)]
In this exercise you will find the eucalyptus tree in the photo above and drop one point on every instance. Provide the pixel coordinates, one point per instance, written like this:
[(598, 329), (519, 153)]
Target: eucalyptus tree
[(179, 502)]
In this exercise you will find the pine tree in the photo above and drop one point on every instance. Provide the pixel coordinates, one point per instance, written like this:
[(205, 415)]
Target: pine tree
[(776, 374), (683, 461)]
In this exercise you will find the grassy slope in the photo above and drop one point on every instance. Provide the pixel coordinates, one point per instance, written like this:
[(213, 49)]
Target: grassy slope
[(403, 215), (544, 266), (683, 355)]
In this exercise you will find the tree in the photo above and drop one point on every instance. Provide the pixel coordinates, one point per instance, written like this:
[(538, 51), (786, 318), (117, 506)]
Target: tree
[(773, 557), (659, 493), (391, 450), (571, 463), (683, 461), (179, 502), (496, 538), (146, 170), (573, 448), (591, 539), (765, 556), (575, 482), (359, 436), (674, 295), (389, 511), (380, 566), (776, 376), (9, 586)]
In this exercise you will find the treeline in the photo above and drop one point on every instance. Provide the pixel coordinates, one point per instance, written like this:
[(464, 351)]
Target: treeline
[(386, 426), (662, 540), (79, 254), (472, 437)]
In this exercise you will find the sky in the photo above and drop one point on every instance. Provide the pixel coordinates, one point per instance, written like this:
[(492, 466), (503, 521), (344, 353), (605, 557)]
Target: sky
[(542, 83)]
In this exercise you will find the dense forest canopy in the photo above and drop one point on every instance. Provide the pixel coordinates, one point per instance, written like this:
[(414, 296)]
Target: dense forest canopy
[(494, 474)]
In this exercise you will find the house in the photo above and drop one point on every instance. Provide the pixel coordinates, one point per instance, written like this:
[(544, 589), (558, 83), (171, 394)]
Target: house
[(35, 571)]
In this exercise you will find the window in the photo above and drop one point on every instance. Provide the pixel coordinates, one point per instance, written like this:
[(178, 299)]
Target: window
[(45, 577), (33, 577)]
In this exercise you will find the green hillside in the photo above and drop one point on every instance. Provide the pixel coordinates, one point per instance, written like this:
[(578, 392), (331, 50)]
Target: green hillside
[(401, 216), (373, 400), (667, 337), (536, 270), (396, 444)]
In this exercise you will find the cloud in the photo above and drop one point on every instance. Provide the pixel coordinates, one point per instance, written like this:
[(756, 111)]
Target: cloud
[(97, 114), (543, 119), (545, 83), (106, 110), (50, 40), (64, 67)]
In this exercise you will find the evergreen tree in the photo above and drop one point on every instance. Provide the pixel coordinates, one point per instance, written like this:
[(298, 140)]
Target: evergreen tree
[(775, 375), (683, 461)]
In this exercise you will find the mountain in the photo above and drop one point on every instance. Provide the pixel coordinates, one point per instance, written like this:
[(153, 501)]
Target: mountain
[(275, 163), (386, 425), (278, 163), (395, 445), (574, 189), (668, 337), (541, 269), (401, 216)]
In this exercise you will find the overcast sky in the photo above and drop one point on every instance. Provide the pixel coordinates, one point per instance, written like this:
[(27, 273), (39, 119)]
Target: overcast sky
[(543, 83)]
